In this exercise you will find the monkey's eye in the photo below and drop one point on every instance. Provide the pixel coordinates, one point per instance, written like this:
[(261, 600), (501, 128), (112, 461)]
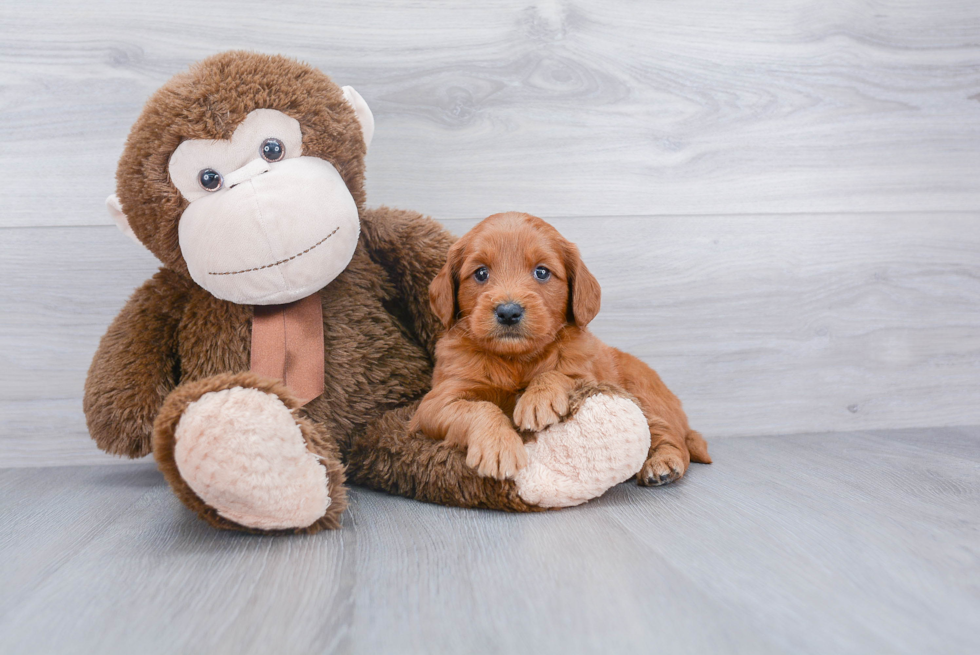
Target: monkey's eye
[(273, 150), (481, 274), (210, 179), (542, 274)]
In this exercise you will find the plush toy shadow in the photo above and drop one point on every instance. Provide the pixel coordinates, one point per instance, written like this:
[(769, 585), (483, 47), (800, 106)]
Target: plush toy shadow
[(287, 339)]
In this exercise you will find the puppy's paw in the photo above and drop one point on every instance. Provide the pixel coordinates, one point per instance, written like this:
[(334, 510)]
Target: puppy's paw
[(497, 453), (665, 466), (540, 407)]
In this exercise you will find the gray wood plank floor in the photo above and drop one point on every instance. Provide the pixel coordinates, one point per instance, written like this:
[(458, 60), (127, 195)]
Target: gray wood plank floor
[(825, 543)]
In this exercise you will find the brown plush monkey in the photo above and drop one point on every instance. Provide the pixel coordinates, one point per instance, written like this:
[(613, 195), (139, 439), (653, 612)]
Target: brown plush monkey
[(288, 334)]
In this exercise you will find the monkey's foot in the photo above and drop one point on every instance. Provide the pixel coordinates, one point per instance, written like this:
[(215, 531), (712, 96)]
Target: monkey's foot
[(237, 451), (603, 443)]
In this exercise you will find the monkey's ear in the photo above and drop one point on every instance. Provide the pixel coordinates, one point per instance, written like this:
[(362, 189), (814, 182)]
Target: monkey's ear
[(363, 112), (119, 218)]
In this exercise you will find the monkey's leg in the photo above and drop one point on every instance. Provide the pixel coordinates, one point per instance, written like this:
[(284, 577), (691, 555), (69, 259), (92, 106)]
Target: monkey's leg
[(602, 442), (237, 450)]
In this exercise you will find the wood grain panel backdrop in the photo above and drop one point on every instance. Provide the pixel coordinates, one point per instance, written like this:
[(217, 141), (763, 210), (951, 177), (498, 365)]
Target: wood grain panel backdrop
[(781, 200)]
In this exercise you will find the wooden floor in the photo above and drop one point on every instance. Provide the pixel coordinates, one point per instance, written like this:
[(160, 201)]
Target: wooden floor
[(840, 543)]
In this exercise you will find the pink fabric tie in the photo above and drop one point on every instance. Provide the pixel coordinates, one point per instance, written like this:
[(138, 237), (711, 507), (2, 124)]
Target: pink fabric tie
[(287, 345)]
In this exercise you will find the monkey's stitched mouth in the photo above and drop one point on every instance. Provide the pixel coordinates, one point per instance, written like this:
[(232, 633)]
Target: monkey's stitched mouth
[(281, 261)]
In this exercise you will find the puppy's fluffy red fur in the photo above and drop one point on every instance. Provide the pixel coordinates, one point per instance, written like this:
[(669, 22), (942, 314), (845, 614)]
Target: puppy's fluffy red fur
[(492, 379)]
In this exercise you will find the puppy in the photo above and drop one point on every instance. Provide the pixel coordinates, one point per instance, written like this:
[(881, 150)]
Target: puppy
[(516, 298)]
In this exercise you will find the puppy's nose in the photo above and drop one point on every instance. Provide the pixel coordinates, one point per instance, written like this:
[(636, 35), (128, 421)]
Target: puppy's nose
[(509, 313)]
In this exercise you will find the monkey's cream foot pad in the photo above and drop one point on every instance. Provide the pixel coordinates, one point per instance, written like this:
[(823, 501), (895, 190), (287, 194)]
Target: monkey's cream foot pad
[(241, 451), (605, 443)]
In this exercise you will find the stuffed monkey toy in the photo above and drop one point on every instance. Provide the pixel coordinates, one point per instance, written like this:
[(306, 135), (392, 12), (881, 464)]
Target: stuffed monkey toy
[(286, 340)]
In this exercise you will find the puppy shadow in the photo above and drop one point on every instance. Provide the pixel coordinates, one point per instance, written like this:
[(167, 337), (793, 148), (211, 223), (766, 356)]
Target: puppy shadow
[(190, 536), (144, 475), (629, 494)]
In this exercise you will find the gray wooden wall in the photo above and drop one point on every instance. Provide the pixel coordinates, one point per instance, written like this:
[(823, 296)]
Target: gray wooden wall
[(781, 199)]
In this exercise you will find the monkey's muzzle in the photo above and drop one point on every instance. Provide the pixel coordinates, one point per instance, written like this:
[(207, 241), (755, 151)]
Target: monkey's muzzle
[(274, 234)]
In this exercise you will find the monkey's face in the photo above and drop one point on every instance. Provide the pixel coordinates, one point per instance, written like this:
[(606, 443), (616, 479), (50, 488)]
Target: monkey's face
[(247, 174), (265, 225)]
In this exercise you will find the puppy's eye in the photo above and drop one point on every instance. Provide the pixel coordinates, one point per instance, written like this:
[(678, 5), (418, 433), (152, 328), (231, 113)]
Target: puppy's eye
[(210, 179), (542, 274), (481, 274), (273, 150)]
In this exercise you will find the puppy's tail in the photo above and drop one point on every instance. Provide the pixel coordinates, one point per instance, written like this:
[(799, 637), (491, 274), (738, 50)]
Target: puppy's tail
[(698, 447)]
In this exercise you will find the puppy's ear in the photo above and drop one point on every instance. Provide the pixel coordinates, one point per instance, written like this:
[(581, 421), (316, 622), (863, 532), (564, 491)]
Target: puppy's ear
[(442, 290), (584, 293)]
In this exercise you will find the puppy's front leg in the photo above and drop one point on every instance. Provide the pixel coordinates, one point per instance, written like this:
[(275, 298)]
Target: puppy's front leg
[(492, 445), (545, 402)]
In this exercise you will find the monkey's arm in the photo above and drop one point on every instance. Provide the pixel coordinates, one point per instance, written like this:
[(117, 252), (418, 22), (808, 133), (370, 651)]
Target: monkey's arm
[(563, 468), (135, 367), (412, 248)]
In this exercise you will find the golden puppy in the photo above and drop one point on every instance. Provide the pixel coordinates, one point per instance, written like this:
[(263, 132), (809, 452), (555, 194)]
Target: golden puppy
[(516, 299)]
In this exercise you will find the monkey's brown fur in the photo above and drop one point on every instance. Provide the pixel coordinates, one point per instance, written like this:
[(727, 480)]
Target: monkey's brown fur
[(392, 458), (174, 341)]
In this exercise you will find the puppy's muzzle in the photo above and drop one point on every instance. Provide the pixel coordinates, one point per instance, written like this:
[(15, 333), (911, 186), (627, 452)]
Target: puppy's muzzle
[(509, 313)]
